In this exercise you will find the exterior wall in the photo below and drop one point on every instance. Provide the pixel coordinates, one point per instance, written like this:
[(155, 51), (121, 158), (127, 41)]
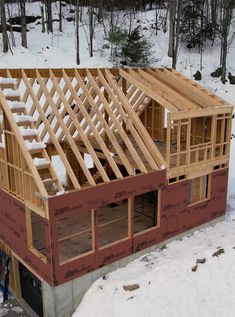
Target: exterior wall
[(92, 198), (62, 300), (175, 217), (13, 233)]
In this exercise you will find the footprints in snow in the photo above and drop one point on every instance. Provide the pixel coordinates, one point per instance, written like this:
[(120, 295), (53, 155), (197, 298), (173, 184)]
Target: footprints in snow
[(203, 260)]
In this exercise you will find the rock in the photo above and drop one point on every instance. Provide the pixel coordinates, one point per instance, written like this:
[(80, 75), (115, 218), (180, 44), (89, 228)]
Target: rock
[(70, 19), (218, 252), (201, 261), (15, 28), (131, 287), (217, 72), (29, 19), (194, 268), (197, 75), (231, 79), (106, 46)]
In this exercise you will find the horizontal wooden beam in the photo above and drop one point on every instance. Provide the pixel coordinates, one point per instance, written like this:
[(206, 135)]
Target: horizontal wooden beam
[(200, 112), (45, 72)]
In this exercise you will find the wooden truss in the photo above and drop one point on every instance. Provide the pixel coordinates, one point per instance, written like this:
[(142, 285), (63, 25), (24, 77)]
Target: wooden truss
[(69, 113)]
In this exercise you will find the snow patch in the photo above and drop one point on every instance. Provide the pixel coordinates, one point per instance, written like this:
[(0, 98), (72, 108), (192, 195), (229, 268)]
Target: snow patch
[(35, 145), (16, 105), (28, 132), (23, 118), (11, 93), (4, 80), (38, 161)]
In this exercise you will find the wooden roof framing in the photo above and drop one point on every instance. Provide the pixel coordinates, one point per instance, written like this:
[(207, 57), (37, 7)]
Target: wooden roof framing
[(95, 111), (89, 112)]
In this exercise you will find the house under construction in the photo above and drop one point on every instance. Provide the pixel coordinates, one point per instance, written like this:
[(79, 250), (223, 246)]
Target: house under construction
[(98, 164)]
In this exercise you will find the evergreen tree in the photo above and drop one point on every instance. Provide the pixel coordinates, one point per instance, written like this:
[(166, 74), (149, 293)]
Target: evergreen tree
[(130, 48), (136, 50), (195, 25)]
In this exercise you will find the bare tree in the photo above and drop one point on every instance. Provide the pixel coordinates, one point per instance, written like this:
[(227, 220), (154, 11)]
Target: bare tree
[(49, 16), (91, 26), (4, 26), (43, 19), (172, 9), (13, 42), (77, 33), (60, 16), (23, 24), (226, 21), (175, 10)]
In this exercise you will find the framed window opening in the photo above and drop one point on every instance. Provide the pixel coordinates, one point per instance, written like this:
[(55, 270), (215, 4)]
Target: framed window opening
[(75, 236), (146, 214), (113, 223), (176, 179), (36, 234), (199, 189)]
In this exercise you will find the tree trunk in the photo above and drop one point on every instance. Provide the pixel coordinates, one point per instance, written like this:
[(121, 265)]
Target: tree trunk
[(60, 17), (4, 26), (227, 17), (49, 16), (172, 8), (43, 19), (13, 42), (77, 34), (23, 24), (176, 33), (91, 27)]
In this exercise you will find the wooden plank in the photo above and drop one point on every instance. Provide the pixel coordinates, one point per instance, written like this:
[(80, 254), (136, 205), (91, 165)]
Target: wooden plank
[(76, 123), (155, 153), (84, 138), (50, 131), (57, 125), (122, 132), (21, 142), (176, 83), (65, 130), (108, 132), (97, 136), (168, 94), (142, 85), (201, 112), (44, 153), (199, 89)]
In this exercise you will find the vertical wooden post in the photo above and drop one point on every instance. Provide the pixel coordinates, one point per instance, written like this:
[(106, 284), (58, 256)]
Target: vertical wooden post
[(213, 136), (229, 129), (16, 276), (152, 121), (188, 141), (130, 216), (222, 136), (178, 138), (168, 140)]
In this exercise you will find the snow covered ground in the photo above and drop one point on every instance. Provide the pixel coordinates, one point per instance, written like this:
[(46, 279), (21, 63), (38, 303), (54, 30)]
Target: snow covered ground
[(167, 285)]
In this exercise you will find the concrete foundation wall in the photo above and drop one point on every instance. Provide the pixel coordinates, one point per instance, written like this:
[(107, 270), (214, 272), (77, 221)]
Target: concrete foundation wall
[(61, 301)]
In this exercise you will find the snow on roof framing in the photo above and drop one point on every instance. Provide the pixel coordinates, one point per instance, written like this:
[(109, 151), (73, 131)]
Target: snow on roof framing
[(72, 112), (64, 114)]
